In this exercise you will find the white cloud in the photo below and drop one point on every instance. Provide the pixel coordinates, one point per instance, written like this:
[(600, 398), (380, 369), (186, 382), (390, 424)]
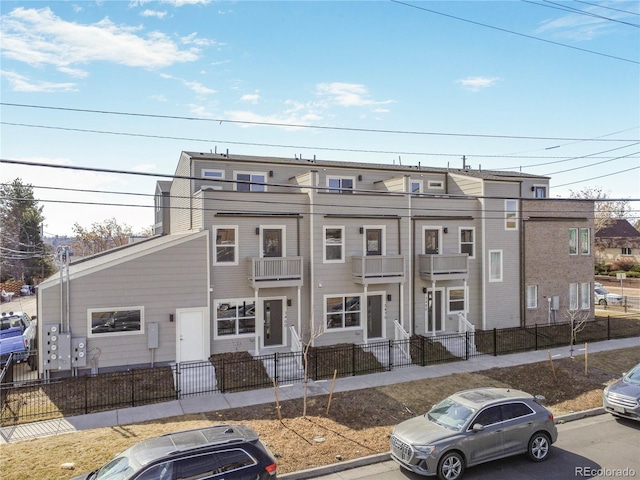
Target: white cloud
[(583, 27), (195, 86), (347, 94), (20, 83), (153, 13), (39, 37), (74, 72), (201, 42), (251, 98), (476, 83), (182, 3)]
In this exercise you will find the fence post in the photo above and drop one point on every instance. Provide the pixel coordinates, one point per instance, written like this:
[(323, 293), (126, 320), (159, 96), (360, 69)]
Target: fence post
[(275, 365), (495, 342), (178, 381), (608, 327), (133, 389), (536, 332), (353, 359), (466, 345), (390, 355), (222, 376), (86, 394)]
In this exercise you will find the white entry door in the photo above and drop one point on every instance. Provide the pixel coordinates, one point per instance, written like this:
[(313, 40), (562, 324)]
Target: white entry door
[(191, 335)]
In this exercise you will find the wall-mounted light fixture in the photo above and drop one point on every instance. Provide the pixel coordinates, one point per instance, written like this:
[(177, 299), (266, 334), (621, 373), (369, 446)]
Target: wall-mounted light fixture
[(257, 230), (271, 173), (388, 297), (361, 230), (424, 289), (445, 230), (533, 189), (288, 302), (171, 317), (359, 178)]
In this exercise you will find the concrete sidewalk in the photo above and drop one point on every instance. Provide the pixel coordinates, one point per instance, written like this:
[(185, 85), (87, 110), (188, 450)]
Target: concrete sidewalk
[(222, 401)]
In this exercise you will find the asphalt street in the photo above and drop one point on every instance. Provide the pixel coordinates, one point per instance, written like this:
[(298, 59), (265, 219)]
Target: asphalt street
[(593, 447)]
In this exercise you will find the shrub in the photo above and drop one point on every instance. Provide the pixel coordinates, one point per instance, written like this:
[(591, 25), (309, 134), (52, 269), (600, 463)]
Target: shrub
[(624, 264)]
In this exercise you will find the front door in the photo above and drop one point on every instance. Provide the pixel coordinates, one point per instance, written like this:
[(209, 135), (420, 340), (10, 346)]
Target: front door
[(191, 335), (272, 242), (433, 305), (273, 319), (373, 238), (374, 316)]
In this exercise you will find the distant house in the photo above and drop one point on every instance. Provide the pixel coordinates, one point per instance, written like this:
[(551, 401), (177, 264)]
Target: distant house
[(620, 240), (257, 253)]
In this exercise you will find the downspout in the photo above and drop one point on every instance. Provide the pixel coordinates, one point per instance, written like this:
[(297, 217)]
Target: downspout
[(482, 263), (523, 289), (68, 328), (312, 286), (409, 264)]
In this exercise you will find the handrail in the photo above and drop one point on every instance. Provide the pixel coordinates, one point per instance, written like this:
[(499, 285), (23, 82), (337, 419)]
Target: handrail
[(402, 334), (296, 345), (465, 326)]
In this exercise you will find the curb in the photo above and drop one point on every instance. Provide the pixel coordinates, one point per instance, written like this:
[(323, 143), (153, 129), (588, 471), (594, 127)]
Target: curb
[(383, 457)]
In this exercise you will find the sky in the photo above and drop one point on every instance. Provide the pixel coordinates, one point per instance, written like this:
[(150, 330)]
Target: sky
[(541, 87)]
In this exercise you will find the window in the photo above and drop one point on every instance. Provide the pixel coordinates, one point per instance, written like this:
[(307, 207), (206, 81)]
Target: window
[(226, 245), (511, 214), (235, 317), (585, 296), (343, 312), (333, 244), (373, 241), (573, 296), (585, 241), (250, 181), (489, 416), (573, 241), (540, 191), (515, 410), (456, 300), (435, 184), (431, 241), (230, 460), (195, 467), (340, 184), (626, 251), (467, 241), (532, 296), (495, 265), (416, 186), (112, 321)]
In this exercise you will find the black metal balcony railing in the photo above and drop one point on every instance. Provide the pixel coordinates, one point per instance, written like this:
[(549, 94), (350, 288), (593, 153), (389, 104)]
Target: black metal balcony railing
[(446, 266), (378, 269), (275, 272)]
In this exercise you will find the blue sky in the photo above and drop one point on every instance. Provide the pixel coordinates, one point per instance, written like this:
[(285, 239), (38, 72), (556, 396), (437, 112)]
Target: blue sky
[(542, 87)]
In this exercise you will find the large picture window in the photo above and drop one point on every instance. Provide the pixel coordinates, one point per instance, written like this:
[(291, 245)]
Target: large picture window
[(235, 317), (343, 312), (334, 244), (251, 181), (226, 245), (116, 321)]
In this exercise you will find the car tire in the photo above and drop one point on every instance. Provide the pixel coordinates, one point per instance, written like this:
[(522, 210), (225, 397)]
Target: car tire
[(539, 447), (451, 466), (603, 302)]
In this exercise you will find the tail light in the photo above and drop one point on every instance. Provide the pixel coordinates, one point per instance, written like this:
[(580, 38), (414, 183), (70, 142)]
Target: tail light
[(551, 416), (271, 469)]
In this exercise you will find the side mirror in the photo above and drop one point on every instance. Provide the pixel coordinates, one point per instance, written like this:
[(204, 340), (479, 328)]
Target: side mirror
[(478, 427)]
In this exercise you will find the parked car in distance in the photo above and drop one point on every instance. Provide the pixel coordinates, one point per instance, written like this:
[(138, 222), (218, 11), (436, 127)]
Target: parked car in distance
[(473, 427), (232, 452), (622, 398), (604, 297), (18, 337)]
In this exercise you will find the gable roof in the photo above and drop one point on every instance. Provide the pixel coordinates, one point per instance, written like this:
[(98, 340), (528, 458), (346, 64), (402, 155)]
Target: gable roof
[(619, 228)]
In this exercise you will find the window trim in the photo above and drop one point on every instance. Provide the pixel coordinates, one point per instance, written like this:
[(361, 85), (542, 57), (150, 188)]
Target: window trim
[(383, 238), (587, 232), (341, 189), (435, 184), (500, 277), (465, 299), (574, 238), (511, 214), (344, 298), (262, 184), (325, 245), (283, 235), (419, 183), (90, 311), (540, 188), (574, 294), (585, 295), (215, 245), (532, 297), (439, 229), (626, 251), (472, 243), (236, 301)]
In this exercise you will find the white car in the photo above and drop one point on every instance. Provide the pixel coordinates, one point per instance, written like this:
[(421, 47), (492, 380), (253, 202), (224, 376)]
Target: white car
[(603, 297)]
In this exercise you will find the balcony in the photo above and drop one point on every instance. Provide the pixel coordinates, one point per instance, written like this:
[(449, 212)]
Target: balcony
[(273, 272), (448, 266), (375, 269)]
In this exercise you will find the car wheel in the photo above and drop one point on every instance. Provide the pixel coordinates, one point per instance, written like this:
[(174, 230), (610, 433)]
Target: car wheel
[(539, 446), (451, 466), (603, 302)]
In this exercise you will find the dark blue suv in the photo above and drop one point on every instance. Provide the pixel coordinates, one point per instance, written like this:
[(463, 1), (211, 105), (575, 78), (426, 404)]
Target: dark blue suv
[(232, 452)]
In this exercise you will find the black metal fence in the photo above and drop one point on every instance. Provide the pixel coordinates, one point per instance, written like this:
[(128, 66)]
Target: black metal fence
[(26, 401)]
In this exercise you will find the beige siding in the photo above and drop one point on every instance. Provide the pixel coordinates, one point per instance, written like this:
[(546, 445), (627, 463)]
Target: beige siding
[(181, 191)]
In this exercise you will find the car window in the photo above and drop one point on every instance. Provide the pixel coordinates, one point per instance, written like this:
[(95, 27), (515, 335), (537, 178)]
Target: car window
[(489, 416), (163, 471), (234, 459), (196, 467), (515, 410)]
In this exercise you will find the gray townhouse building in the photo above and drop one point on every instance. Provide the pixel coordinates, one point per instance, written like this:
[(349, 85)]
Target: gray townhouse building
[(262, 254)]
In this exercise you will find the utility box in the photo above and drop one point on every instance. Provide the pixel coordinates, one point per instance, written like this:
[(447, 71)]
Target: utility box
[(152, 335), (78, 352), (56, 349)]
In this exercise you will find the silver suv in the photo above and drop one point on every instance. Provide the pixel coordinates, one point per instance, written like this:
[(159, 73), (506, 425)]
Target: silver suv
[(472, 427)]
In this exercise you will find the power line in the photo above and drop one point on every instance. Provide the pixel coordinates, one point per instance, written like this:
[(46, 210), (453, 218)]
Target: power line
[(592, 165), (598, 177), (566, 8), (606, 6), (321, 127), (515, 33)]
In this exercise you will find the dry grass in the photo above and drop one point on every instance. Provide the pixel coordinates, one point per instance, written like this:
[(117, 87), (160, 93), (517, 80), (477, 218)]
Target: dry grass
[(358, 423)]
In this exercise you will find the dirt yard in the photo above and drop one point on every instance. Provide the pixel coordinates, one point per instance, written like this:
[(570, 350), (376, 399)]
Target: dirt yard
[(358, 423)]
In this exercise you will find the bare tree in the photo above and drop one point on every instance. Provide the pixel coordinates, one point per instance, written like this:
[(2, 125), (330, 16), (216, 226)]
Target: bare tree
[(605, 209), (315, 333), (577, 320), (101, 236)]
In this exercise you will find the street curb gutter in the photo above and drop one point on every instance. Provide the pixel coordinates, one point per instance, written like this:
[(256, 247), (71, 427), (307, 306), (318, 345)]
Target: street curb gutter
[(383, 457)]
